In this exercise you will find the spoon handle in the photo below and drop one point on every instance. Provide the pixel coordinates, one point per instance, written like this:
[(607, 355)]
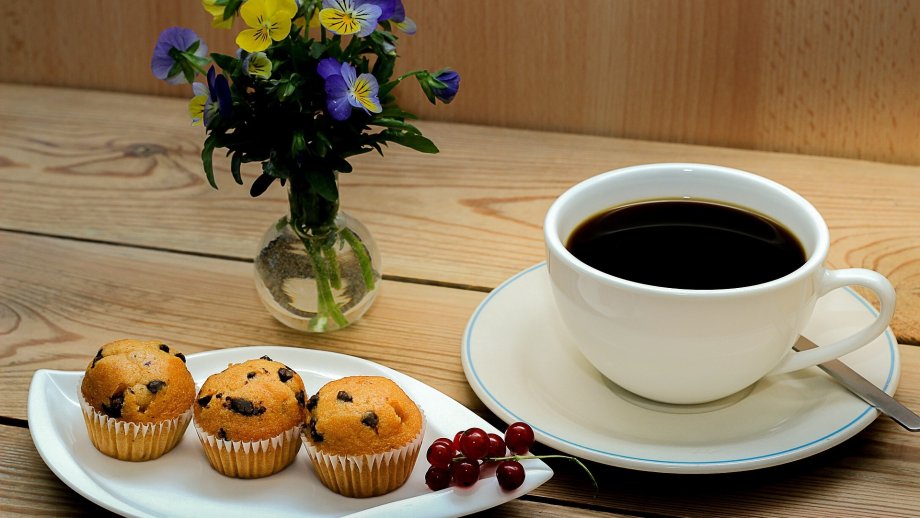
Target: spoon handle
[(863, 388)]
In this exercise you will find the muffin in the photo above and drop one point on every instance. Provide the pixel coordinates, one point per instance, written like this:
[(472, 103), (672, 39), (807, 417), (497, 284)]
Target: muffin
[(136, 398), (363, 435), (249, 418)]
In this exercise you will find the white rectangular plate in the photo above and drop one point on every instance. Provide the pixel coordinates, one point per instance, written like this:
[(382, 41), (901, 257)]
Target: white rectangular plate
[(182, 483)]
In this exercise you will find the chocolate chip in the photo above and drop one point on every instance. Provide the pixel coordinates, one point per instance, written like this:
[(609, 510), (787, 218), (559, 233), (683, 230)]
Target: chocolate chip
[(113, 409), (316, 436), (251, 375), (147, 363), (244, 407), (266, 358), (222, 434), (164, 348), (219, 395), (96, 359), (203, 401), (370, 420), (181, 357), (300, 399), (314, 399), (155, 386), (285, 374), (344, 396)]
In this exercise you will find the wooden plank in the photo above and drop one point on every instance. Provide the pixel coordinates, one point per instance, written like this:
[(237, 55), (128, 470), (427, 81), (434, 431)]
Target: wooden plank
[(29, 487), (82, 164), (62, 299), (828, 77), (55, 315)]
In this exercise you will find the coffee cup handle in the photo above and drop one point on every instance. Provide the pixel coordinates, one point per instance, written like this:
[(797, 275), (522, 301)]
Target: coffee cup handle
[(832, 280)]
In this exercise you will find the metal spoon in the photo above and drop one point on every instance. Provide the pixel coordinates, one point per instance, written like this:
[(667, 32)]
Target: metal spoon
[(865, 389)]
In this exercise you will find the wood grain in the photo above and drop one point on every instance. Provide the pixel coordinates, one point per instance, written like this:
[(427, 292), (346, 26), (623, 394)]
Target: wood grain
[(827, 77), (79, 164), (63, 299), (29, 487)]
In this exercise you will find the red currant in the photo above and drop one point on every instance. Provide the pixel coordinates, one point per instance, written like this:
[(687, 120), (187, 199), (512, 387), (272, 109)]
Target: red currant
[(496, 446), (447, 442), (519, 438), (474, 443), (440, 454), (510, 474), (437, 478), (457, 437), (465, 473)]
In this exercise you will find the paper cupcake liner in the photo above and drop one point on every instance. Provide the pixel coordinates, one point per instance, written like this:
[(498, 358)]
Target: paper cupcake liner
[(250, 459), (363, 476), (132, 441)]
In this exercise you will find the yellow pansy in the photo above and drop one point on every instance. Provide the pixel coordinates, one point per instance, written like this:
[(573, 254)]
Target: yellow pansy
[(268, 20), (217, 11), (196, 105)]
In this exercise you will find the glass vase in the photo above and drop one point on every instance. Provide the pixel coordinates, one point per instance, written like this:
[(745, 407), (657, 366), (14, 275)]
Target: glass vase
[(318, 282)]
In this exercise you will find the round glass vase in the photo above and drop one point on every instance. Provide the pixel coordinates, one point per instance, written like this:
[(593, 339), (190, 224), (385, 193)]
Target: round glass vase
[(318, 283)]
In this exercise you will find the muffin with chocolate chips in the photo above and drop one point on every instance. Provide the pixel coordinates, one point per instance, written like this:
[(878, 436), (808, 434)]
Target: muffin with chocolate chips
[(136, 398), (249, 418), (363, 434)]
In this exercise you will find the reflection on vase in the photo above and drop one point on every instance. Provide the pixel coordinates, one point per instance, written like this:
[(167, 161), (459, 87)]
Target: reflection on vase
[(318, 283)]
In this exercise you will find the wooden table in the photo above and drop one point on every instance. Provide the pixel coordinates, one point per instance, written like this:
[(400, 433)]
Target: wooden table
[(108, 230)]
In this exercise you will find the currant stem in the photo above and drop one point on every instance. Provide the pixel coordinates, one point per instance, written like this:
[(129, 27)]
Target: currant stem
[(525, 457)]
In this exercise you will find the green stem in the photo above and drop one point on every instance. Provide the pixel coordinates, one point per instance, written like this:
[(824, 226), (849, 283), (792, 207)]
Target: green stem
[(389, 85), (332, 262), (364, 260), (525, 457), (409, 74), (326, 301)]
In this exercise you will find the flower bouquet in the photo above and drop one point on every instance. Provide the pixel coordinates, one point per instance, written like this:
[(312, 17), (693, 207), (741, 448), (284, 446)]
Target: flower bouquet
[(310, 86)]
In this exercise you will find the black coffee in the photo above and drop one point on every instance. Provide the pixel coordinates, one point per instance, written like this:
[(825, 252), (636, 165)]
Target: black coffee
[(696, 245)]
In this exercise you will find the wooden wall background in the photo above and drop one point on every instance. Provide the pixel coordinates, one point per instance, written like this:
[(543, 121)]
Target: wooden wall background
[(826, 77)]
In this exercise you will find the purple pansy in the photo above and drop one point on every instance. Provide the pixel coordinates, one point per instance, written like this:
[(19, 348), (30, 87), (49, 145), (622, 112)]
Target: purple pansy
[(329, 67), (178, 54), (394, 11), (387, 8), (451, 81), (346, 90), (219, 93)]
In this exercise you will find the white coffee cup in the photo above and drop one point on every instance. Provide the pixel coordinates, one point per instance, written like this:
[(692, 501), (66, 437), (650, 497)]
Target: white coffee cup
[(686, 346)]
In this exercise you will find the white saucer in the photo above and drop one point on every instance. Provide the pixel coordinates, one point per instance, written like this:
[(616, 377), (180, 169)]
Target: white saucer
[(522, 363)]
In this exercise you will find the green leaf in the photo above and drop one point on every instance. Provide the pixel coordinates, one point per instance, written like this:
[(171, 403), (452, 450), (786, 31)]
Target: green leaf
[(298, 143), (281, 223), (317, 49), (207, 157), (416, 142), (224, 61), (385, 88), (231, 8), (339, 164), (396, 124), (235, 167), (260, 185), (323, 182), (395, 111), (321, 144)]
